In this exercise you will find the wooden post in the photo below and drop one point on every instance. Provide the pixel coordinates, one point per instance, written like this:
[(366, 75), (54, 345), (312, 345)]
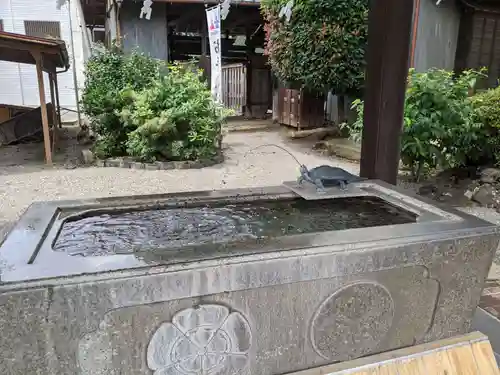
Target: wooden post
[(204, 37), (389, 40), (43, 108), (249, 75), (118, 27), (53, 99), (56, 87), (53, 107)]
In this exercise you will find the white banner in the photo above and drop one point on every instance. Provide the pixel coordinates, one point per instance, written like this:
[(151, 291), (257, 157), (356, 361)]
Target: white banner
[(213, 22)]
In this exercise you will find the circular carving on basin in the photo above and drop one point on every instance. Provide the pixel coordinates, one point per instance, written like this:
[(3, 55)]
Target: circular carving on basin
[(206, 340), (351, 322)]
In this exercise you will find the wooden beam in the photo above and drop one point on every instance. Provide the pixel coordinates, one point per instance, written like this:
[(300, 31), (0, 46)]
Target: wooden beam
[(43, 108), (26, 46), (389, 40)]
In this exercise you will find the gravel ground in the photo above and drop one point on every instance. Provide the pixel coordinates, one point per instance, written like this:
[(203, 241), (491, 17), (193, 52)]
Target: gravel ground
[(20, 185)]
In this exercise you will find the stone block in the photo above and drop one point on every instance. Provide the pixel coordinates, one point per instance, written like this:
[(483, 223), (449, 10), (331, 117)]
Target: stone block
[(269, 307)]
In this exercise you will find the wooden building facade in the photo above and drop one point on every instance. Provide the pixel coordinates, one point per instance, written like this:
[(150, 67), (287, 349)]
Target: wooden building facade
[(177, 31)]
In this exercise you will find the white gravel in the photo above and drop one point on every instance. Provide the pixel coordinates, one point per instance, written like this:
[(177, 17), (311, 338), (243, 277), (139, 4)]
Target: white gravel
[(262, 167)]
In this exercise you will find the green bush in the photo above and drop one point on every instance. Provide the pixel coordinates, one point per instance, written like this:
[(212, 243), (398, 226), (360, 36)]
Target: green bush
[(322, 47), (107, 73), (440, 127), (175, 118), (487, 111), (487, 107)]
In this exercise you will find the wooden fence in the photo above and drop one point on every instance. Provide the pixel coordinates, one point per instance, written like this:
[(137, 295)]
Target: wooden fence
[(234, 88)]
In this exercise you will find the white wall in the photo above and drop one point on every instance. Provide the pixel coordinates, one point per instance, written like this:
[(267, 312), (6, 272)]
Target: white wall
[(18, 84)]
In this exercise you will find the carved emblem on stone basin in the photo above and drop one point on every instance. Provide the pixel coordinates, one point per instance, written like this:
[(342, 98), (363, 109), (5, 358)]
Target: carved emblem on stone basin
[(352, 321), (206, 340)]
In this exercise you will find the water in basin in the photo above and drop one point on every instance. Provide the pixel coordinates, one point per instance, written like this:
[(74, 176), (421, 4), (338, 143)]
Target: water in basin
[(112, 232)]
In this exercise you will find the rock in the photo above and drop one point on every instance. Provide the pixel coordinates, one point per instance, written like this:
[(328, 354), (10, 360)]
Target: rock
[(344, 148), (137, 165), (165, 165), (486, 195), (445, 197), (70, 165), (317, 133), (456, 174), (469, 194), (321, 145), (490, 175), (113, 162), (125, 162), (181, 164), (427, 189), (87, 157)]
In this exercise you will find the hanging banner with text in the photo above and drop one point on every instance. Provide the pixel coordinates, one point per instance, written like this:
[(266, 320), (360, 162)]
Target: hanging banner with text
[(213, 23)]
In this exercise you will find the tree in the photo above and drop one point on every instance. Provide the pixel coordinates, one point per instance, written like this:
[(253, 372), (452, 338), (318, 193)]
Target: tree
[(321, 47)]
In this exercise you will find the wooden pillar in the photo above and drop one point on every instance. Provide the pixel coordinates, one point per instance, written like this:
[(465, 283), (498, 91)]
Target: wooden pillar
[(204, 37), (43, 108), (58, 105), (389, 40), (53, 107), (249, 75), (118, 26), (53, 99), (465, 36)]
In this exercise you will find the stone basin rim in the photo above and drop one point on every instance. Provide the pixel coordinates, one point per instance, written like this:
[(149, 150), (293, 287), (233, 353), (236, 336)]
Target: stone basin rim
[(31, 237)]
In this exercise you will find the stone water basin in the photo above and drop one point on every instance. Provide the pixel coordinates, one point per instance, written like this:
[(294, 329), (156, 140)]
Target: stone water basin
[(250, 281)]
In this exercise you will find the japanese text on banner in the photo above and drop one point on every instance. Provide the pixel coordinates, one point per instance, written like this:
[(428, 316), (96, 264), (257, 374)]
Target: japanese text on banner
[(214, 34)]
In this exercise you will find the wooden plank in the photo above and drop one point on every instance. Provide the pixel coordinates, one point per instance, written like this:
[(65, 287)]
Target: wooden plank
[(462, 361), (414, 366), (43, 107), (464, 355), (483, 354), (4, 114), (438, 363), (387, 369)]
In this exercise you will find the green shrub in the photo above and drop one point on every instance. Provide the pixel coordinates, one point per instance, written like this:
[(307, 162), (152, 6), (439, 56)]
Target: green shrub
[(440, 128), (175, 118), (321, 47), (107, 73), (487, 111), (487, 107)]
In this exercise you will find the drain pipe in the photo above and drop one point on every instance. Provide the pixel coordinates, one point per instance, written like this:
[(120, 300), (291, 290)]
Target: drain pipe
[(73, 61)]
